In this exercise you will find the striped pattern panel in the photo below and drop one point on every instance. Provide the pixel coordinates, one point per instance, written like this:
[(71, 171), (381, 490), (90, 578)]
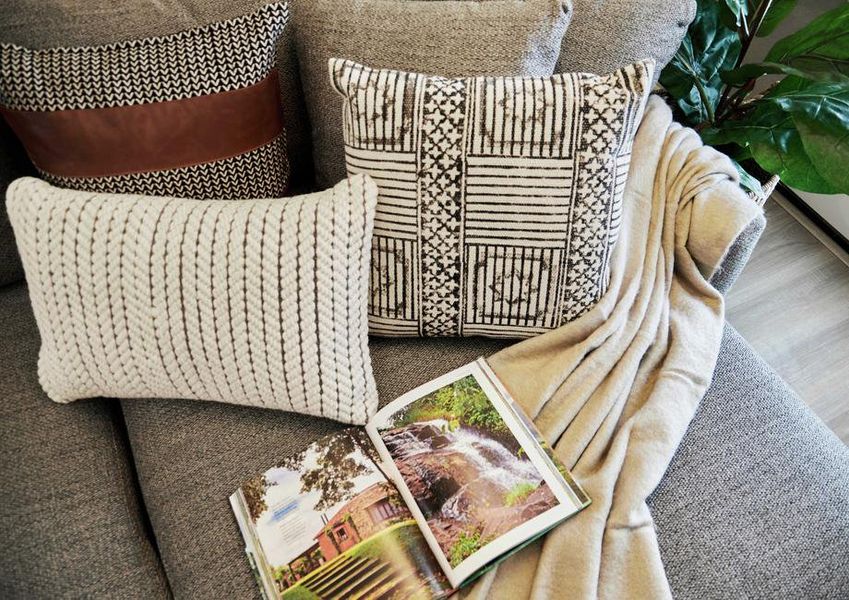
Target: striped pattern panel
[(525, 116), (392, 303), (511, 289), (396, 176), (522, 201), (384, 107), (257, 303)]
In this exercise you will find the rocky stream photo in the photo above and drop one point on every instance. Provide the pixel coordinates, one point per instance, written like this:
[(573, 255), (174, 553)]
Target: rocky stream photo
[(465, 469)]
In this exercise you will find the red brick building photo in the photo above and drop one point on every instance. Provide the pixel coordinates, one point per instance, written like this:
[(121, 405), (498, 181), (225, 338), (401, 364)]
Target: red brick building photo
[(373, 509)]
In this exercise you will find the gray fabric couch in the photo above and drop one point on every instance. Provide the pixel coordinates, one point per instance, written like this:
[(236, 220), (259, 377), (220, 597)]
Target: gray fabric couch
[(128, 499)]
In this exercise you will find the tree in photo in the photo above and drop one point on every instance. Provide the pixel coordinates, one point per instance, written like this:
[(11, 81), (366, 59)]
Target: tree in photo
[(254, 492), (339, 460), (462, 402)]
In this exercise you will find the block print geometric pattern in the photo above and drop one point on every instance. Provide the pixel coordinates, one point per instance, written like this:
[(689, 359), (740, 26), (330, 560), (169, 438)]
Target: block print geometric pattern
[(440, 182), (500, 198), (219, 57)]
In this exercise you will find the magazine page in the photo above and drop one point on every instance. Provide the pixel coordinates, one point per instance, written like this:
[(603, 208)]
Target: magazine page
[(472, 473), (579, 496), (327, 523)]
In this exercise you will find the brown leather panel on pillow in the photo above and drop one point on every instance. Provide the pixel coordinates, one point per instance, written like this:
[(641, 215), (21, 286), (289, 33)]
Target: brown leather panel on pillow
[(40, 24), (165, 135)]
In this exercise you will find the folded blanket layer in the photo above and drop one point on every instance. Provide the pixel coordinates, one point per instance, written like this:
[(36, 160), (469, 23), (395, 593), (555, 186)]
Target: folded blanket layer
[(615, 390)]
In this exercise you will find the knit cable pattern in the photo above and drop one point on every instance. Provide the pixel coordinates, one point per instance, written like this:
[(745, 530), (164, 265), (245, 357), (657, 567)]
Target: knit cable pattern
[(257, 302)]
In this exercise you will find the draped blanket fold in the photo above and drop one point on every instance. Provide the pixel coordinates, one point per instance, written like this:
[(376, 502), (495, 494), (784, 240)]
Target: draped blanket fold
[(615, 390)]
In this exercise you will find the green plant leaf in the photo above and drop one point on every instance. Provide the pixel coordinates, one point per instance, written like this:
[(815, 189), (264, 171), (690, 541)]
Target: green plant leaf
[(814, 69), (822, 145), (776, 14), (740, 10), (780, 151), (748, 182), (820, 47), (693, 76), (799, 131)]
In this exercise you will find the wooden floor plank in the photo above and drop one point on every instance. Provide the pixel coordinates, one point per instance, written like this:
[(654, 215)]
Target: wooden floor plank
[(792, 304)]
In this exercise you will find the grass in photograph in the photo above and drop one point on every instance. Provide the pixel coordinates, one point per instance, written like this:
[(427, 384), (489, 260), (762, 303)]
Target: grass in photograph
[(395, 543), (460, 403), (469, 542), (403, 535), (518, 493)]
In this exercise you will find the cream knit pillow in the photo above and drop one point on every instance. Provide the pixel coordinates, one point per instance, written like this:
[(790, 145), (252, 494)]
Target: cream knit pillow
[(258, 302)]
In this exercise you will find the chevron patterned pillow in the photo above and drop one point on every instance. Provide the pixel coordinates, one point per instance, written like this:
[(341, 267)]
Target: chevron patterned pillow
[(258, 302), (196, 114), (499, 197)]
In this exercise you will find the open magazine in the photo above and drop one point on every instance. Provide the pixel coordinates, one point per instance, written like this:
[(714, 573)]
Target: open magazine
[(443, 483)]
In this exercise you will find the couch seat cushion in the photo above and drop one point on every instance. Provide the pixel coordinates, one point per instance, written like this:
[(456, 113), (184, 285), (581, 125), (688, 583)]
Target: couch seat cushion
[(191, 456), (70, 518)]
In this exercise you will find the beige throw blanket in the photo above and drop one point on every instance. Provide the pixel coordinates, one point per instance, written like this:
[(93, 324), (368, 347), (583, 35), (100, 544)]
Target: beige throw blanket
[(615, 390)]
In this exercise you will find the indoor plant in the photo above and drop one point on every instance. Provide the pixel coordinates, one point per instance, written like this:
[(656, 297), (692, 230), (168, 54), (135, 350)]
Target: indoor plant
[(798, 127)]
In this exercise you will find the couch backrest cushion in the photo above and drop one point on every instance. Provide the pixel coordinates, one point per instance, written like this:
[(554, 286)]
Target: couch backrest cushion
[(257, 302), (452, 39), (608, 34)]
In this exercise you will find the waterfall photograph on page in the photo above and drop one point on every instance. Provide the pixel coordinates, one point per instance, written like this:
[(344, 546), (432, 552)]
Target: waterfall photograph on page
[(465, 468), (473, 470)]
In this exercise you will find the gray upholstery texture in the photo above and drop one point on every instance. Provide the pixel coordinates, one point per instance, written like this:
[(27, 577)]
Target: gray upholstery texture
[(448, 38), (191, 456), (48, 23), (70, 520), (756, 502), (738, 255), (607, 34)]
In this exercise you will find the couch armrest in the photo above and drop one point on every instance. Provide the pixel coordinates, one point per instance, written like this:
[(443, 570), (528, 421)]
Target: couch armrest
[(755, 503), (738, 255)]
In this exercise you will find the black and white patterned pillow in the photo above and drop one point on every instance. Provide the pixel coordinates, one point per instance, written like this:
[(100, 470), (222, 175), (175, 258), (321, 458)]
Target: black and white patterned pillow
[(500, 197), (127, 107)]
